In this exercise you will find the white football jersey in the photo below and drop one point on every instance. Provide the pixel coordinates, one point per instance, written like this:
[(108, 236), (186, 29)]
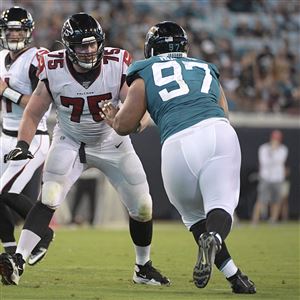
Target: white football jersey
[(17, 78), (78, 104)]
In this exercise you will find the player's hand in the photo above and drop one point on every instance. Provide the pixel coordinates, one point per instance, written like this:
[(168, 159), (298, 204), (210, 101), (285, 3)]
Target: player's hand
[(109, 112), (20, 152)]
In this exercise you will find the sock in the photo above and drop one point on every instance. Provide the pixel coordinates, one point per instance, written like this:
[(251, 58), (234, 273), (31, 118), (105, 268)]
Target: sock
[(28, 240), (18, 202), (141, 235), (142, 254), (7, 225), (46, 239), (10, 247), (38, 219), (222, 257), (197, 229), (219, 221), (229, 269), (200, 227), (223, 260), (141, 232), (34, 229)]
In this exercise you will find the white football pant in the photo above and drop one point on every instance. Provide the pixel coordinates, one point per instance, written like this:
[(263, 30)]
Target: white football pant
[(201, 169), (16, 174), (115, 157)]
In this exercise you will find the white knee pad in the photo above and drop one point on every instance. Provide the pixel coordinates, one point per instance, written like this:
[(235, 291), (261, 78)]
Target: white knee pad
[(143, 209), (52, 194)]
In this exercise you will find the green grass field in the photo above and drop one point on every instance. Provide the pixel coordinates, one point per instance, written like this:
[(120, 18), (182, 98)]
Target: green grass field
[(97, 264)]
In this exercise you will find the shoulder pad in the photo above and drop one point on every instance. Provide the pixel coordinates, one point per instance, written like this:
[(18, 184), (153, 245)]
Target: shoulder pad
[(138, 66), (215, 69), (42, 51)]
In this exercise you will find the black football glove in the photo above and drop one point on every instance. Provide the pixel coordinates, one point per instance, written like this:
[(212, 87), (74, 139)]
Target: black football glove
[(20, 152)]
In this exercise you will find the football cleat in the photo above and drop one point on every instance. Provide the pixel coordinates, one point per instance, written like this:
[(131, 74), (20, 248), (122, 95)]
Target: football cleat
[(36, 256), (11, 268), (147, 274), (40, 250), (240, 283), (209, 245)]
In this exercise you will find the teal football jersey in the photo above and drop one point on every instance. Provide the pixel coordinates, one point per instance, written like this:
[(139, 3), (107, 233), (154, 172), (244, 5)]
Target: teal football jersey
[(180, 91)]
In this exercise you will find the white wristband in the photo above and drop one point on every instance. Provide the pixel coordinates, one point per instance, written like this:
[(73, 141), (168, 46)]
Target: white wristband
[(12, 95)]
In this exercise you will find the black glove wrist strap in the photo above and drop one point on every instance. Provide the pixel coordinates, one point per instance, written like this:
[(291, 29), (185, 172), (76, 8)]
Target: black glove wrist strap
[(22, 145)]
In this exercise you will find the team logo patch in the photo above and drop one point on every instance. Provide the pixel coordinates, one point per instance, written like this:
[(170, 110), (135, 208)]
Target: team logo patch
[(151, 32), (68, 30), (86, 84)]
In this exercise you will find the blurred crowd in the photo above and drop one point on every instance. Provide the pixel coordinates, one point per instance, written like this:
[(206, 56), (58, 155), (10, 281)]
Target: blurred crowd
[(254, 43)]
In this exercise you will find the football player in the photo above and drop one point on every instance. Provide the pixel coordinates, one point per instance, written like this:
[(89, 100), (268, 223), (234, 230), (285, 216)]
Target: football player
[(78, 79), (20, 181), (184, 98)]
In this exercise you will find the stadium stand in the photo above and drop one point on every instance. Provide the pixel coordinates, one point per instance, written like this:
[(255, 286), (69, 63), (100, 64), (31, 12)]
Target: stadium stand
[(254, 43)]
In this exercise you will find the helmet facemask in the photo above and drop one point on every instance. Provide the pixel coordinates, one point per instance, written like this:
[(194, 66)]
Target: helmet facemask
[(86, 60)]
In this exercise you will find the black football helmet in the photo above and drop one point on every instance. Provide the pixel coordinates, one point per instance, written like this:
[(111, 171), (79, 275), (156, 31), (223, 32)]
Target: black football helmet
[(15, 18), (82, 29), (165, 37)]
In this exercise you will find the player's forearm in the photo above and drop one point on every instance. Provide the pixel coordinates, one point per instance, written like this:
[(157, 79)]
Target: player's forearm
[(28, 127), (123, 128), (39, 103), (24, 100), (125, 122), (133, 115)]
